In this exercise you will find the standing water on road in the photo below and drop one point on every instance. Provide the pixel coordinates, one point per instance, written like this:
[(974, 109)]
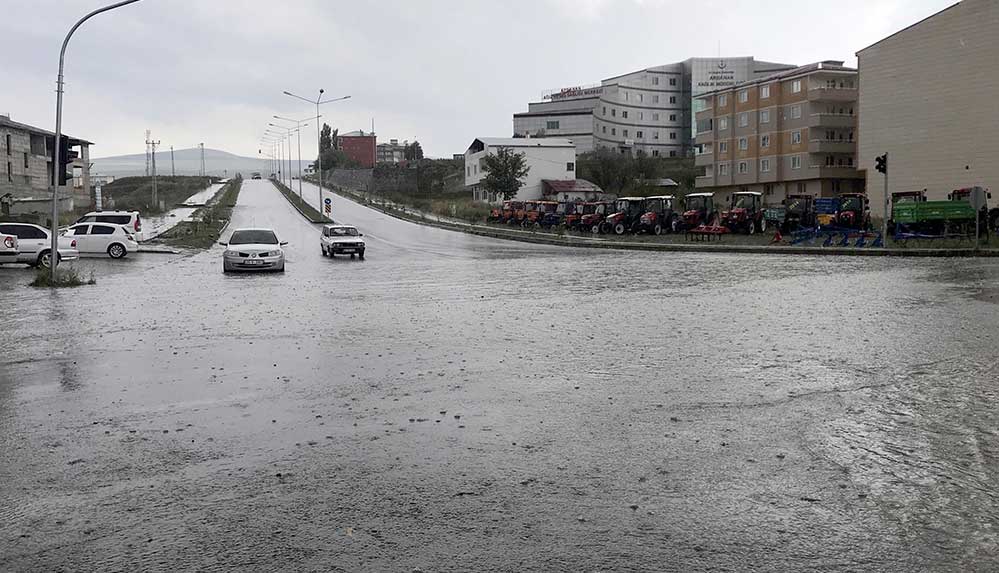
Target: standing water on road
[(455, 403)]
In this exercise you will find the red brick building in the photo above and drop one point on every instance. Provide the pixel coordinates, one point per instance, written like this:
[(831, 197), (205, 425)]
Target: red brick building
[(359, 146)]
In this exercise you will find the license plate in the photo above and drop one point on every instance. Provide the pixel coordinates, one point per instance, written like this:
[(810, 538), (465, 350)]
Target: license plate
[(254, 262), (347, 250)]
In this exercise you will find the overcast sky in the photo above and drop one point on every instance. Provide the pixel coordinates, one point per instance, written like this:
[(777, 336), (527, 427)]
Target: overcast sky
[(441, 71)]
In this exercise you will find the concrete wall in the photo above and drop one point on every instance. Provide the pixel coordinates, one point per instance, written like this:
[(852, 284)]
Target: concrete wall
[(929, 97), (23, 181)]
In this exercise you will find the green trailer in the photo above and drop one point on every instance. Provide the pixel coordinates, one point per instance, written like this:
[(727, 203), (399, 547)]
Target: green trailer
[(933, 218)]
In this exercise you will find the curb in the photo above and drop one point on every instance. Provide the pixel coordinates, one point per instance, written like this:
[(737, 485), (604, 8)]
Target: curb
[(579, 242), (296, 207)]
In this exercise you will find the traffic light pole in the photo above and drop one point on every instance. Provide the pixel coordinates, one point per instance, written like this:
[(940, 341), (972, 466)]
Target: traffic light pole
[(54, 253), (884, 224)]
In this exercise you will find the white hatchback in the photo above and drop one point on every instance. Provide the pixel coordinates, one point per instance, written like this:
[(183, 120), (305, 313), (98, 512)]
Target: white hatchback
[(36, 244), (253, 250), (102, 239), (130, 220)]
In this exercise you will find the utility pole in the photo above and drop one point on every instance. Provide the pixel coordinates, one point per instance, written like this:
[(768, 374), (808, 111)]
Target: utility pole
[(173, 168), (148, 133), (152, 146), (202, 146)]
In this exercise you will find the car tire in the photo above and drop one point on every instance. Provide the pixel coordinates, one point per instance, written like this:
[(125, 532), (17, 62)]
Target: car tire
[(324, 250), (43, 260), (117, 251), (657, 230), (361, 255)]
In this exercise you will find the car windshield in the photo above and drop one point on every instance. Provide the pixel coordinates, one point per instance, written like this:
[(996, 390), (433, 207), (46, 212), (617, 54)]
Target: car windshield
[(743, 202), (343, 232), (655, 205), (253, 237), (849, 204)]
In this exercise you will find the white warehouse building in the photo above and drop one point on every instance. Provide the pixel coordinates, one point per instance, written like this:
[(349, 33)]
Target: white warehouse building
[(546, 159)]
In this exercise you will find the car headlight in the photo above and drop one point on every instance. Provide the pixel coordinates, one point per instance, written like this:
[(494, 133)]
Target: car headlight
[(229, 254)]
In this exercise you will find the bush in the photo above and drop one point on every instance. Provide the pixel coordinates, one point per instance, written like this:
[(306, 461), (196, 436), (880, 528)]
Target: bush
[(63, 278)]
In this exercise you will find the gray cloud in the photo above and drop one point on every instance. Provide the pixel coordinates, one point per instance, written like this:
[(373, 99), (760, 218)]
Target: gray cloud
[(442, 71)]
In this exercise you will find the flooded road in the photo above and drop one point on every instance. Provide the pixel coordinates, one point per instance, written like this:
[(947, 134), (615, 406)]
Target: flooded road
[(455, 403)]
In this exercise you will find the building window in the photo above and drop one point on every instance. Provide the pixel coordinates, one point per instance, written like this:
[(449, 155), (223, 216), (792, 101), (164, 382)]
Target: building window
[(655, 99), (672, 153), (625, 96), (764, 92), (613, 131), (722, 147), (672, 99), (722, 123), (795, 137), (722, 169), (641, 115), (765, 141), (795, 162), (796, 86), (10, 172), (743, 119), (638, 134), (655, 80), (613, 112), (570, 166), (743, 167), (641, 98), (765, 116), (475, 170), (552, 125), (8, 149), (849, 161), (764, 166), (723, 100), (743, 96), (743, 144), (605, 129), (672, 117), (624, 114), (672, 135), (605, 110), (26, 165), (655, 117), (625, 132), (795, 112), (672, 81), (655, 135)]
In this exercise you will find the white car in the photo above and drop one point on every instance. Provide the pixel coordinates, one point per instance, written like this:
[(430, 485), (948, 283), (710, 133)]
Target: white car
[(36, 244), (102, 239), (253, 250), (128, 219), (8, 248), (341, 240)]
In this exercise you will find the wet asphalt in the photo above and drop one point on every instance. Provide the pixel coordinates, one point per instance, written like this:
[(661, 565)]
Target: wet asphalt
[(455, 403)]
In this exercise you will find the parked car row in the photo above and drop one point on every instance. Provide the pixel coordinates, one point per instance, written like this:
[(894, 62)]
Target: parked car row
[(113, 234), (33, 245)]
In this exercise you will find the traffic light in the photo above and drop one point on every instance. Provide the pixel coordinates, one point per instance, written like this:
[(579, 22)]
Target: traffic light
[(881, 163), (63, 160)]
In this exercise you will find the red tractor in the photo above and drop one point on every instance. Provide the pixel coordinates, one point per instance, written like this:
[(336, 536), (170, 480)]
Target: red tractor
[(989, 217), (593, 215), (659, 216), (700, 210), (745, 214), (571, 214), (626, 217), (509, 213), (854, 211)]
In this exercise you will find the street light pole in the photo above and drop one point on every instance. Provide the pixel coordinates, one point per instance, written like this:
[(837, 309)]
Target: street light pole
[(54, 253), (319, 132), (299, 125)]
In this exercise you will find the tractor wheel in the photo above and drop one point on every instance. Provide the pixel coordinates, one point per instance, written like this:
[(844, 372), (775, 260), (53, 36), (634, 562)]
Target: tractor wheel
[(658, 229), (619, 229), (752, 227), (763, 225)]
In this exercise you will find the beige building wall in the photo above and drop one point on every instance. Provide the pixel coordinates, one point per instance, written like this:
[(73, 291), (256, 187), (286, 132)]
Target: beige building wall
[(929, 97)]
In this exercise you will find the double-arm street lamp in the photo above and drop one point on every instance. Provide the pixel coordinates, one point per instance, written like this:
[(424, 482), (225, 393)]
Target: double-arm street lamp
[(282, 139), (287, 133), (54, 253), (298, 127), (275, 142), (319, 133)]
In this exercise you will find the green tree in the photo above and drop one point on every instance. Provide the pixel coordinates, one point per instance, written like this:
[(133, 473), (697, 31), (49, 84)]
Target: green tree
[(505, 171), (329, 150), (413, 151)]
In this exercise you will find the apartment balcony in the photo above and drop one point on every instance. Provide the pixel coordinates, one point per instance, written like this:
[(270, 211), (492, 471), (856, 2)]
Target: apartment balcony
[(705, 136), (834, 172), (832, 146), (704, 181), (702, 159), (821, 93), (832, 120)]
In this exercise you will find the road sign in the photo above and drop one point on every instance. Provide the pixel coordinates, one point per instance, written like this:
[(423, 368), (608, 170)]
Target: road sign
[(328, 201), (977, 198), (327, 208)]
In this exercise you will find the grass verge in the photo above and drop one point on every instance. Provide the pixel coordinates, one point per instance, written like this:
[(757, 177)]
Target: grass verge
[(208, 222), (64, 278), (304, 208)]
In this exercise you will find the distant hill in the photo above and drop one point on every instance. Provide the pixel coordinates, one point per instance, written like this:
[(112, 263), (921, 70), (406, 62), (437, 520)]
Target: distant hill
[(187, 162)]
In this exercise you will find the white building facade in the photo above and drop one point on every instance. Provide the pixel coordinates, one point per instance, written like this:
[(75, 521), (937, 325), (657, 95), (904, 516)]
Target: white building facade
[(649, 111), (546, 159)]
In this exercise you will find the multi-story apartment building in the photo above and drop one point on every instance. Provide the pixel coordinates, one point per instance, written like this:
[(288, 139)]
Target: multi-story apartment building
[(360, 146), (649, 111), (792, 133), (929, 98), (26, 155), (392, 152)]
